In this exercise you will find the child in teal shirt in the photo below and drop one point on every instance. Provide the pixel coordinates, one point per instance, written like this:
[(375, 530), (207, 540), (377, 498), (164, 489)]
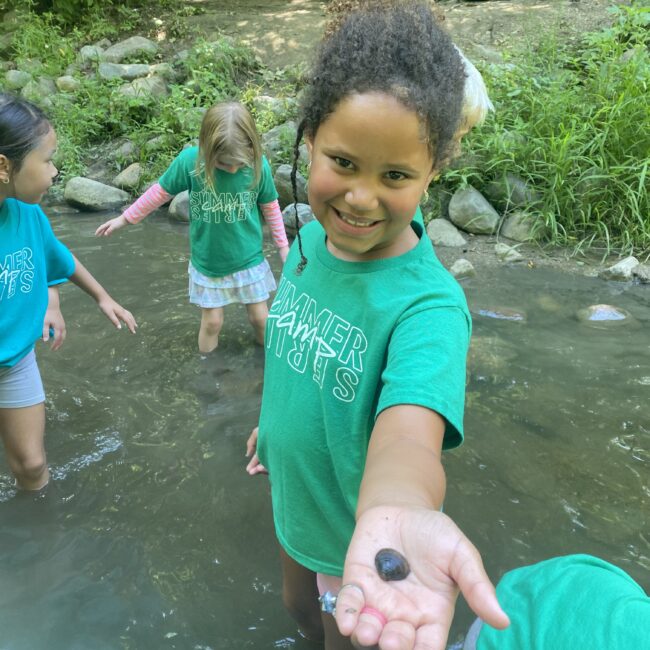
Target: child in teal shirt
[(576, 602), (32, 263)]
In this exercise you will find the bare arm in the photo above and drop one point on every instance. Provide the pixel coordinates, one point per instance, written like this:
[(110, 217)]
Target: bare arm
[(152, 199), (112, 310), (399, 509), (403, 465)]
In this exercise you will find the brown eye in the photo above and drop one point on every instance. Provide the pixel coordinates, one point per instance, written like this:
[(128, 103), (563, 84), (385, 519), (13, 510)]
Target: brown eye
[(342, 162)]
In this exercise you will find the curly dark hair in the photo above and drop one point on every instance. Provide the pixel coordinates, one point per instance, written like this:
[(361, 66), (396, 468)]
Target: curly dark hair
[(392, 47)]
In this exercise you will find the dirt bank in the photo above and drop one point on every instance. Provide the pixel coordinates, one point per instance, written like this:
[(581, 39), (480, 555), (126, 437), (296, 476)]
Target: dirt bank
[(283, 32)]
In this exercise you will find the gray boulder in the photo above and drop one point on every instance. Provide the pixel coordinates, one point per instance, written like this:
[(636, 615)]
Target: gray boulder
[(39, 91), (282, 179), (127, 71), (471, 211), (443, 233), (278, 139), (511, 191), (92, 195), (145, 88), (462, 268), (89, 53), (67, 84), (642, 273), (17, 79), (521, 226), (179, 208), (622, 271), (507, 253), (129, 178), (134, 46), (305, 215)]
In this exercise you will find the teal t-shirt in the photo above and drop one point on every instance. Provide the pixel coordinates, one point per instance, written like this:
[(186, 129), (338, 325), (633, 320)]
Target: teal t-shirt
[(31, 258), (225, 225), (576, 602), (344, 341)]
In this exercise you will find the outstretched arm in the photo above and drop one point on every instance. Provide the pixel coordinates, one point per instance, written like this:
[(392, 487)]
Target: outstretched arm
[(401, 493), (152, 199), (112, 310)]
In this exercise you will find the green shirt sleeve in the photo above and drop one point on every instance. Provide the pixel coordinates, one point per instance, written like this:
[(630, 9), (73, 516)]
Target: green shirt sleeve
[(426, 366), (177, 177)]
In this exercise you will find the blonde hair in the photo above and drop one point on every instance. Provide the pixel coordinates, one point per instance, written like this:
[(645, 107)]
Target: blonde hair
[(476, 103), (228, 135)]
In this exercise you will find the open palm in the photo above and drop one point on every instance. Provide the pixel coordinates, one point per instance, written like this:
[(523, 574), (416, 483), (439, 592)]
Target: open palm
[(420, 608)]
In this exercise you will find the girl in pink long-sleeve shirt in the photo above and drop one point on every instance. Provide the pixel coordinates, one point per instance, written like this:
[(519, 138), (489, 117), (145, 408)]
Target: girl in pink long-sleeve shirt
[(230, 188)]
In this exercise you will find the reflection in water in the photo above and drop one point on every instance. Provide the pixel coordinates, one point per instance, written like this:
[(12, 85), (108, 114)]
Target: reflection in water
[(152, 535)]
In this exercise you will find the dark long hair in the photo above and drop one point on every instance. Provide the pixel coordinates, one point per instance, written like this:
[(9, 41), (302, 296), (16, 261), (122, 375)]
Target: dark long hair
[(22, 125)]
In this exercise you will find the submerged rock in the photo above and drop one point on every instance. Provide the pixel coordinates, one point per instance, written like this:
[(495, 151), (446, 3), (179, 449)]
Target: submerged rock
[(490, 358), (501, 313), (604, 316)]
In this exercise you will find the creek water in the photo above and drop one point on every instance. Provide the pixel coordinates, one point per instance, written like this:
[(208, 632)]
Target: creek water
[(152, 536)]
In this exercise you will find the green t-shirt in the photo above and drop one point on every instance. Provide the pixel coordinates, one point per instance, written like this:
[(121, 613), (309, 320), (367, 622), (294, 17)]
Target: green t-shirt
[(225, 225), (344, 341), (576, 602)]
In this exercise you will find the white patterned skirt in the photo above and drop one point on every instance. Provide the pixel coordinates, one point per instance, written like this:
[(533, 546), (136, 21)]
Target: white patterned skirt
[(246, 287)]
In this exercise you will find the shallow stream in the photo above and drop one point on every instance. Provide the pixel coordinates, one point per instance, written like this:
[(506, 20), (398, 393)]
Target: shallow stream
[(152, 536)]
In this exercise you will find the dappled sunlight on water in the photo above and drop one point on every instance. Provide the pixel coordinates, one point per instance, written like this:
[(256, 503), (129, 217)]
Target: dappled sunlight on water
[(152, 535)]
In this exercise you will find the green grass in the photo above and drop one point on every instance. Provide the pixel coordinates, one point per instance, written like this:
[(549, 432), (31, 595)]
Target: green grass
[(571, 120), (574, 122)]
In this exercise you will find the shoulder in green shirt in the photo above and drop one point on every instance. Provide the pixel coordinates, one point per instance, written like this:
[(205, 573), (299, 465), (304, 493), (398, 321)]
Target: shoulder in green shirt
[(576, 602)]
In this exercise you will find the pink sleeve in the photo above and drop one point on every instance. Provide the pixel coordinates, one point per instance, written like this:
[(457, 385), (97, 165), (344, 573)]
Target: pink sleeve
[(153, 198), (273, 216)]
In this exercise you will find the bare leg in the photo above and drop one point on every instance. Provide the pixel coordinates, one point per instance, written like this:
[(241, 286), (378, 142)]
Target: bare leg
[(22, 431), (300, 594), (258, 312), (211, 323)]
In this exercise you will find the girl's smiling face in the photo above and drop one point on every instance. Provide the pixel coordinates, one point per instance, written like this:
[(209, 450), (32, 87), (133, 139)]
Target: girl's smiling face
[(34, 177), (369, 169)]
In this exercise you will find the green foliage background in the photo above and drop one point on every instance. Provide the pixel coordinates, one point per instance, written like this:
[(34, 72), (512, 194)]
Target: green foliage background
[(572, 119)]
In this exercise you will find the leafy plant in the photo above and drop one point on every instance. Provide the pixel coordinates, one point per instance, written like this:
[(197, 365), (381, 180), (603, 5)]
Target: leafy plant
[(573, 122)]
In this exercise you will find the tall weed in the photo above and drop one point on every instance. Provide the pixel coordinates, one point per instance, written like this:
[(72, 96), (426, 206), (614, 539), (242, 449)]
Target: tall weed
[(574, 121)]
